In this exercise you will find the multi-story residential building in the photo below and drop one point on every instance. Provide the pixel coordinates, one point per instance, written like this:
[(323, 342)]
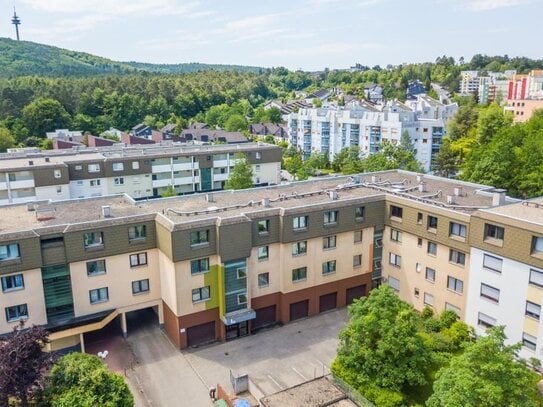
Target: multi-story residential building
[(489, 88), (506, 273), (525, 95), (328, 130), (140, 172)]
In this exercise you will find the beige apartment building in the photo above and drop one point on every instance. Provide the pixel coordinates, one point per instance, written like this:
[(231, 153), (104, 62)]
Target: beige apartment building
[(222, 265)]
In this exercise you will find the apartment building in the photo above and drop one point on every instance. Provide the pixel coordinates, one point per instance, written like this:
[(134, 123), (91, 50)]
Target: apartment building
[(328, 130), (525, 95), (141, 172)]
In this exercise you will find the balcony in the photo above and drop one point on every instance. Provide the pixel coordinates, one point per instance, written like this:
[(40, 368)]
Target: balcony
[(184, 166), (20, 184), (161, 168)]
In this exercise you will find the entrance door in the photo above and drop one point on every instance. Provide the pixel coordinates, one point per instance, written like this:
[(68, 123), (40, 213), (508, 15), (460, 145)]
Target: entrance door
[(201, 334), (237, 330), (327, 302), (299, 310), (355, 292)]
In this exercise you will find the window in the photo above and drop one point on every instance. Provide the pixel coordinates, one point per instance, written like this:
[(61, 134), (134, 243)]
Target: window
[(118, 181), (13, 282), (529, 341), (96, 267), (263, 280), (138, 232), (242, 299), (99, 295), (456, 229), (359, 213), (432, 248), (418, 267), (140, 286), (536, 277), (16, 312), (241, 273), (329, 242), (492, 263), (9, 252), (430, 274), (533, 310), (357, 236), (395, 235), (457, 257), (93, 239), (57, 173), (94, 182), (394, 283), (257, 168), (263, 226), (453, 308), (416, 292), (299, 222), (93, 167), (199, 266), (396, 212), (330, 217), (12, 177), (394, 259), (329, 267), (59, 189), (419, 218), (263, 253), (537, 245), (455, 285), (139, 259), (299, 274), (428, 299), (490, 293), (118, 166), (357, 260), (201, 294), (493, 232), (199, 237), (135, 165), (432, 222), (486, 321), (78, 167), (419, 242), (299, 248)]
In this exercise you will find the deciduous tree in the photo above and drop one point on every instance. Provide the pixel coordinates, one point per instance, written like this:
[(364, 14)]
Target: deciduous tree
[(241, 176)]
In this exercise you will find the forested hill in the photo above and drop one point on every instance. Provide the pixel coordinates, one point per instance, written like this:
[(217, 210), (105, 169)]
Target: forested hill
[(22, 58)]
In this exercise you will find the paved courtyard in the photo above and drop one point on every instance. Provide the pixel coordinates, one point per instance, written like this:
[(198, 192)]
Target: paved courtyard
[(274, 359)]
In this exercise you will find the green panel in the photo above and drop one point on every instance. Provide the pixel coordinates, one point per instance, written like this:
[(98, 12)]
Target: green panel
[(211, 279), (57, 288), (234, 285), (205, 179)]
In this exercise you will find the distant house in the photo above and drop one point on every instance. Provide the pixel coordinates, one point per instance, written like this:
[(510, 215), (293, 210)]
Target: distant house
[(279, 132), (414, 88), (65, 134), (373, 93), (212, 136), (142, 130), (168, 131), (321, 94), (130, 139), (93, 141), (59, 144)]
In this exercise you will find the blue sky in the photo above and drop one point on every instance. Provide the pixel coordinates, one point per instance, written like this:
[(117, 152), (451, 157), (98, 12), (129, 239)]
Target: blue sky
[(307, 34)]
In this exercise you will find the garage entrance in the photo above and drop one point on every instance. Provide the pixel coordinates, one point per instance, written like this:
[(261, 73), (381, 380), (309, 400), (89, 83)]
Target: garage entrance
[(201, 334), (355, 292), (264, 317), (327, 302), (299, 310), (140, 319)]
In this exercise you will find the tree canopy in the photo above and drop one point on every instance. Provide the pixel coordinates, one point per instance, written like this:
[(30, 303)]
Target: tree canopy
[(241, 176)]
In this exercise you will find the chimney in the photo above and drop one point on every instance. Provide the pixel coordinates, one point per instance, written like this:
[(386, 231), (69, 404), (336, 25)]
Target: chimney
[(450, 200), (209, 197), (422, 186), (498, 197), (420, 178), (266, 202), (458, 191), (106, 211), (333, 195), (374, 178)]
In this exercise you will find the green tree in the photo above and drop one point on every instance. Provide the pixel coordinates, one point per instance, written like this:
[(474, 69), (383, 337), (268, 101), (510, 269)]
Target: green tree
[(6, 139), (347, 160), (406, 142), (241, 176), (446, 162), (490, 121), (486, 375), (390, 157), (80, 379), (43, 115), (235, 122), (169, 192)]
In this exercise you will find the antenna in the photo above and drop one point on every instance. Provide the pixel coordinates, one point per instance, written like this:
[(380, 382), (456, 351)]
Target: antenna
[(16, 21)]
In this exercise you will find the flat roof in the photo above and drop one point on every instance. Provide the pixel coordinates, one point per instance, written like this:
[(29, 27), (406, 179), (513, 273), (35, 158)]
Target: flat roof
[(528, 211)]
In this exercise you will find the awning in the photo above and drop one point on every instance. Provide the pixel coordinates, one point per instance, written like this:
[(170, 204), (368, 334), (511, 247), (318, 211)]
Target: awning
[(235, 317)]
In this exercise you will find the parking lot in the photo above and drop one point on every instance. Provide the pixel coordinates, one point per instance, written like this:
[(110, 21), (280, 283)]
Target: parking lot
[(276, 359)]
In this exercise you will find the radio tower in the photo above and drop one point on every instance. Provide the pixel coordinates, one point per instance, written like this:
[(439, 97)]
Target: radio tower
[(16, 21)]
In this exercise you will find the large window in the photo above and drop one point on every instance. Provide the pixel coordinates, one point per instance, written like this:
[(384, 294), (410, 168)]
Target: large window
[(357, 236), (99, 295), (16, 312), (359, 213), (394, 259), (428, 299), (201, 294), (96, 267), (329, 242), (299, 222), (394, 283), (263, 226), (455, 284), (537, 245), (432, 248), (430, 274), (199, 266), (263, 253), (432, 222), (536, 277), (533, 310), (299, 248), (9, 252), (357, 260), (486, 321), (490, 293), (199, 237), (457, 229), (493, 232), (263, 280), (139, 259), (140, 286), (137, 232), (13, 282), (492, 263), (329, 267), (396, 211), (529, 341), (331, 217), (299, 274), (395, 235), (457, 257), (93, 167), (93, 239), (118, 166)]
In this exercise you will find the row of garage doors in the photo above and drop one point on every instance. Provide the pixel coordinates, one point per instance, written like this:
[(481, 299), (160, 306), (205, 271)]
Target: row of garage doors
[(266, 316)]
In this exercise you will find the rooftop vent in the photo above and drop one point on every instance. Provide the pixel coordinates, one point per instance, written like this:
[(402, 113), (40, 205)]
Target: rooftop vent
[(498, 197), (458, 191), (45, 213), (30, 207), (422, 186), (106, 211), (47, 159), (375, 178), (333, 195), (420, 178), (30, 162), (266, 202), (209, 197), (450, 200)]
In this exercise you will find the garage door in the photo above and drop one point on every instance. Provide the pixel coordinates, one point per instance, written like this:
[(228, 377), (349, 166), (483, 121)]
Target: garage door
[(200, 334), (299, 310), (355, 292), (264, 317), (327, 302)]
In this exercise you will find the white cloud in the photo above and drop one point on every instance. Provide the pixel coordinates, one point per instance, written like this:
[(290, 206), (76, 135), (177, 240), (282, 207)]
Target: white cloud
[(485, 5)]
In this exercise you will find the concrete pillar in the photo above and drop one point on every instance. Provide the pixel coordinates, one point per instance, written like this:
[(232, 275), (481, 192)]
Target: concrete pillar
[(123, 324), (161, 315), (82, 342)]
